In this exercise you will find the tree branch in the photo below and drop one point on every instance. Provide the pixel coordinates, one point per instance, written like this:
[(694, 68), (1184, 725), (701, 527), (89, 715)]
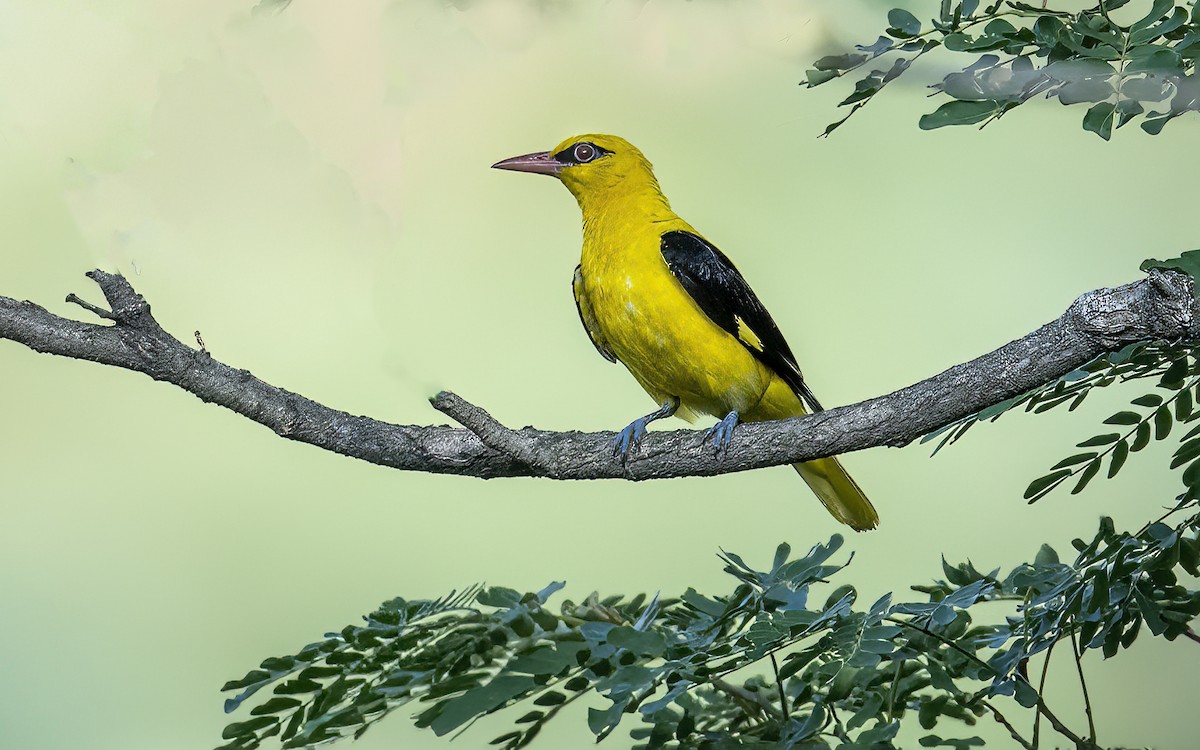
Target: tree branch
[(749, 697), (1012, 731), (1158, 307)]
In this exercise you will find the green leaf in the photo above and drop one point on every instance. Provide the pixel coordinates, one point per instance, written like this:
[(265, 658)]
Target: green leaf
[(499, 596), (1086, 476), (478, 701), (1128, 109), (904, 22), (1046, 556), (1096, 440), (550, 698), (1188, 262), (1078, 458), (1154, 126), (547, 660), (1183, 405), (840, 62), (1041, 485), (1158, 10), (1163, 62), (243, 728), (1177, 18), (640, 642), (575, 684), (293, 726), (1186, 453), (932, 740), (999, 27), (1025, 694), (782, 553), (298, 686), (1162, 423), (879, 735), (812, 723), (1047, 30), (275, 705), (1126, 417), (1151, 613), (317, 672), (601, 720), (817, 77), (959, 113), (1098, 29), (1173, 377), (1147, 89), (1150, 399), (957, 42), (251, 678), (702, 603), (1142, 438), (1099, 119), (1119, 455), (1189, 557), (1191, 475), (506, 738)]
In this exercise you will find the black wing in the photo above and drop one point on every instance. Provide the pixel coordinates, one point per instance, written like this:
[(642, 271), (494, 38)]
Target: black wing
[(714, 283)]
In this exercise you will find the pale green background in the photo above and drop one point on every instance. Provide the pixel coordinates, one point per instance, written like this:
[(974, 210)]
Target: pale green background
[(311, 191)]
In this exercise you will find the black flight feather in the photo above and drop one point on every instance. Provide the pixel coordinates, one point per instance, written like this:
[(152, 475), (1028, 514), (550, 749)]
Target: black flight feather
[(718, 288)]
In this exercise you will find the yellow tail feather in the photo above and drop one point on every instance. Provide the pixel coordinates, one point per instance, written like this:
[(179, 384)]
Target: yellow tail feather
[(838, 492)]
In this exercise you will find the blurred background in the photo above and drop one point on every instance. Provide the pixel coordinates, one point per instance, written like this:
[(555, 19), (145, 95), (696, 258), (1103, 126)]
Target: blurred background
[(310, 190)]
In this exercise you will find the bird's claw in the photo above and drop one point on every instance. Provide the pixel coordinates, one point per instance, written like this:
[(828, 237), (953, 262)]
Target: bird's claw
[(721, 434), (629, 439)]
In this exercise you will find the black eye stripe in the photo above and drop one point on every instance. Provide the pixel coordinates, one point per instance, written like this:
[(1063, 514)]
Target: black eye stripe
[(581, 153)]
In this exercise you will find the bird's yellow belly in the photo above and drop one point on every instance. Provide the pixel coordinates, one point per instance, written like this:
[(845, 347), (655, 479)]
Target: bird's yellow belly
[(669, 345)]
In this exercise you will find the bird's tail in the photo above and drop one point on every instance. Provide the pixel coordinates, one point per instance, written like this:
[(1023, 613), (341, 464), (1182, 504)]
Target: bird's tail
[(838, 492)]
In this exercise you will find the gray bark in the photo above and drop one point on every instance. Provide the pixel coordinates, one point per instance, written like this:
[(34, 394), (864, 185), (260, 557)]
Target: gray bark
[(1158, 307)]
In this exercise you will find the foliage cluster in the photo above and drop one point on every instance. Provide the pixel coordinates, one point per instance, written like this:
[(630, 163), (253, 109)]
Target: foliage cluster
[(1154, 414), (1123, 67), (841, 676)]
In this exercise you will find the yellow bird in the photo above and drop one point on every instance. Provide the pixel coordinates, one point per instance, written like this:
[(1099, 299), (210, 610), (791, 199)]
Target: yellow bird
[(657, 297)]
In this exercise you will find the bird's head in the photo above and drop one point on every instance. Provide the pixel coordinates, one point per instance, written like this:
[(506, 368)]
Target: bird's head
[(593, 166)]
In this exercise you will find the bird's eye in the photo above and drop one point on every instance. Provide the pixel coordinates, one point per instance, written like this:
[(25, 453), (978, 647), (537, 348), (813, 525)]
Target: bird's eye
[(580, 153)]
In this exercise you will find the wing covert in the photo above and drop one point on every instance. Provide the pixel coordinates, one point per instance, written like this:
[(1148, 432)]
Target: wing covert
[(716, 286)]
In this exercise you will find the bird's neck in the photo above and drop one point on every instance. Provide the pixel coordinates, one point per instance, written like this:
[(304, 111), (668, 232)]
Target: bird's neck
[(624, 205), (622, 229)]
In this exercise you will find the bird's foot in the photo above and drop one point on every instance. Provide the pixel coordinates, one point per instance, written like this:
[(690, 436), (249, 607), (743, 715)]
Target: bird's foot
[(630, 439), (722, 433)]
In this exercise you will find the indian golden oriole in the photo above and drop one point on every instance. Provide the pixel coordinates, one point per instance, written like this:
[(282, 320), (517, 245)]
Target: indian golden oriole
[(656, 296)]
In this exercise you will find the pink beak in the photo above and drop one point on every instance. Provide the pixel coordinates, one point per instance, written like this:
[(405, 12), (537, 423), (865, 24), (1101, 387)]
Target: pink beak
[(542, 162)]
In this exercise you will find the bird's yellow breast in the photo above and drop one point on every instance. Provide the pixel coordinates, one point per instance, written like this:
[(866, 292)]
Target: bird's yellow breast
[(653, 326)]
